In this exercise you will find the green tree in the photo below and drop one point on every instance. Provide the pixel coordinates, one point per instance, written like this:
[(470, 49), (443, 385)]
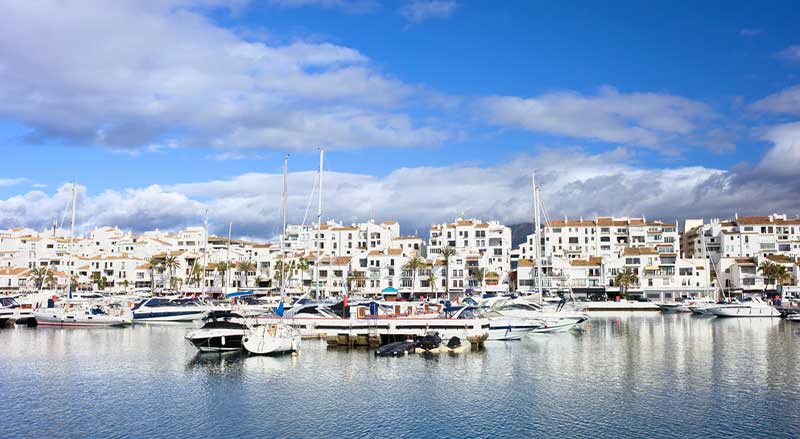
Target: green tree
[(770, 271), (99, 280), (244, 267), (448, 252), (195, 274), (432, 281), (39, 275), (302, 266), (479, 275), (222, 269), (414, 263), (625, 279), (171, 263), (154, 263)]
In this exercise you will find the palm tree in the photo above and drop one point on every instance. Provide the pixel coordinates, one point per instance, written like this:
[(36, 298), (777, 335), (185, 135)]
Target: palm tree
[(154, 262), (769, 270), (432, 281), (171, 263), (258, 281), (479, 275), (222, 269), (447, 252), (49, 280), (195, 275), (125, 284), (244, 267), (625, 279), (414, 263), (783, 276), (99, 280), (73, 283), (302, 265), (39, 274), (358, 279)]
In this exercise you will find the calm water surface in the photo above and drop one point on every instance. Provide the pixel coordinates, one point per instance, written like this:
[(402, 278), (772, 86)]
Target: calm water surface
[(634, 375)]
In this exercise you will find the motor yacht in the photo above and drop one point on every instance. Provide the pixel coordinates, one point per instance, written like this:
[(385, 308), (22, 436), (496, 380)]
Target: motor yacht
[(221, 331), (157, 309), (501, 327), (754, 307), (11, 311), (684, 305), (79, 316), (552, 321)]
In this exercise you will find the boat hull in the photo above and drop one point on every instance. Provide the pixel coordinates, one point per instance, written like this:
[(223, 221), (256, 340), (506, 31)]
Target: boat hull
[(745, 312), (267, 342), (216, 340), (78, 321), (168, 317)]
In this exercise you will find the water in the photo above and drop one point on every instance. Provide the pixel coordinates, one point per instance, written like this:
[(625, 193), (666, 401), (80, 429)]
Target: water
[(642, 375)]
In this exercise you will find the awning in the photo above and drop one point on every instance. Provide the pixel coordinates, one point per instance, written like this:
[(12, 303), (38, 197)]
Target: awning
[(389, 290), (239, 294)]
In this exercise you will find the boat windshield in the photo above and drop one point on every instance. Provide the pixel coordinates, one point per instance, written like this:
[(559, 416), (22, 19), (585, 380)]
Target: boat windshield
[(8, 302)]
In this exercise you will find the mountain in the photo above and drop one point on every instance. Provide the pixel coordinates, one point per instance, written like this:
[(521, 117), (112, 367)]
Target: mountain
[(519, 233)]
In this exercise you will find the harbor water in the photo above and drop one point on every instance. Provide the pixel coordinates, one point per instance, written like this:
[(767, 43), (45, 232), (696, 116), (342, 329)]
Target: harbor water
[(631, 375)]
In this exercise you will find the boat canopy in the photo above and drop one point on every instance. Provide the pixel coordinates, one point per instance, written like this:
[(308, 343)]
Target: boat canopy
[(239, 294)]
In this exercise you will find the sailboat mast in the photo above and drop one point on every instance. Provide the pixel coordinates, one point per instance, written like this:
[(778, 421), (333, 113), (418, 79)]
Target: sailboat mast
[(319, 225), (283, 231), (71, 241), (205, 251), (537, 243), (228, 260)]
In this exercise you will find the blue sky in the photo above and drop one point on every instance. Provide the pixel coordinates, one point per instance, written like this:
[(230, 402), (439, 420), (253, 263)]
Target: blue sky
[(182, 93)]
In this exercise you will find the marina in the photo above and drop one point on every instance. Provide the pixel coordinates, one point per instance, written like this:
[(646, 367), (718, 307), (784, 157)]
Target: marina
[(623, 375)]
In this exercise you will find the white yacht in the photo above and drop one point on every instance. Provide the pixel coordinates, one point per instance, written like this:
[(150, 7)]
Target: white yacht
[(78, 316), (501, 327), (272, 339), (222, 331), (684, 305), (754, 307), (165, 310), (11, 311), (552, 321)]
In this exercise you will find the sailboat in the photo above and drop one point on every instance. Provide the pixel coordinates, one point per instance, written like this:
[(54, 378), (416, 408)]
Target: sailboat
[(75, 315), (279, 337)]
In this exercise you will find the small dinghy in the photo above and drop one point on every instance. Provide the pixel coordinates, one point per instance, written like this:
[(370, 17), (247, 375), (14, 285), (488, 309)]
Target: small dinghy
[(453, 346), (430, 342), (396, 349)]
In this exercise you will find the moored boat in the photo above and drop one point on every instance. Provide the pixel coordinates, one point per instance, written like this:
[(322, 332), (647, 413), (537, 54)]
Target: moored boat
[(754, 307), (222, 331), (157, 309)]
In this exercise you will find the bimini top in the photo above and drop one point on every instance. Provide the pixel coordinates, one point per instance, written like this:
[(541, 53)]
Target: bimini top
[(239, 294)]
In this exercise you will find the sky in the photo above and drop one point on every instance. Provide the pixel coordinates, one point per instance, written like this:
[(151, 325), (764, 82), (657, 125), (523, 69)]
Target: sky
[(426, 110)]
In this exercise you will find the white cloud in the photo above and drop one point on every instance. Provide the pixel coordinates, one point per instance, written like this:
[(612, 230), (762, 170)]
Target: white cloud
[(791, 53), (144, 73), (4, 182), (646, 119), (352, 6), (592, 184), (784, 157), (417, 11), (750, 32), (786, 101)]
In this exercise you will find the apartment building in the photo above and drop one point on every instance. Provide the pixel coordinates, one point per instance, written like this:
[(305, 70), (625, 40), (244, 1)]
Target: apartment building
[(743, 237), (601, 237)]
